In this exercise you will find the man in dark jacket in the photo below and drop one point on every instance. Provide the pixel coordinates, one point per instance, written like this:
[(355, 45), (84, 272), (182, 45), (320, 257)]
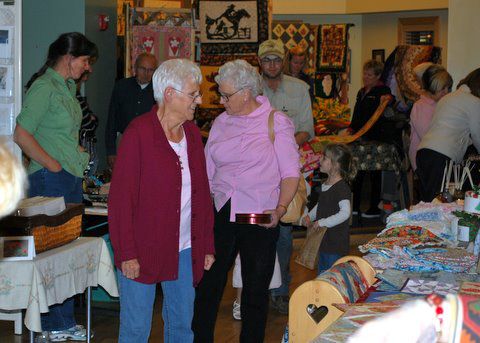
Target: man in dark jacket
[(130, 98)]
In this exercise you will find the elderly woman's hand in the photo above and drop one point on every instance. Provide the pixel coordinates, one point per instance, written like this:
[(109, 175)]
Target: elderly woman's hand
[(276, 215), (209, 259), (131, 269)]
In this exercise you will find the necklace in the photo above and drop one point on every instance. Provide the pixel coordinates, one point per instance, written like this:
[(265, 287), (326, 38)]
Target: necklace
[(178, 149)]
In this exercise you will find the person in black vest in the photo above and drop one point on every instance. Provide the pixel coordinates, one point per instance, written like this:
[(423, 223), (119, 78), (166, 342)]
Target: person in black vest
[(131, 97), (333, 208), (368, 99)]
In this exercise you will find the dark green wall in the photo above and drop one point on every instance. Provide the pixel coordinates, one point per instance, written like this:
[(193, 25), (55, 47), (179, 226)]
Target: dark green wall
[(44, 20), (99, 87)]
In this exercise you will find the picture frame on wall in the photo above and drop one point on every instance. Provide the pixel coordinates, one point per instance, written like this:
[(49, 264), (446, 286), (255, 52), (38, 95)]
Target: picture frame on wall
[(378, 55), (6, 80), (6, 41), (17, 248), (7, 119)]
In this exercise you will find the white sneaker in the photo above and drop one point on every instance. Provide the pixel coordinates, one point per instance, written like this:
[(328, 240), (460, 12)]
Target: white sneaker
[(236, 312)]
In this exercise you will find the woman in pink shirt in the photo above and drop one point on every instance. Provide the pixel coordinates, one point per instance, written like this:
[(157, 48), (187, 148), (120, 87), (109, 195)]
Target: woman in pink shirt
[(436, 82), (248, 173)]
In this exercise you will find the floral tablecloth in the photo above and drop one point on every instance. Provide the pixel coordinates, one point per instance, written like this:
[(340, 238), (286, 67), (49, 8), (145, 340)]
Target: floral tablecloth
[(54, 276)]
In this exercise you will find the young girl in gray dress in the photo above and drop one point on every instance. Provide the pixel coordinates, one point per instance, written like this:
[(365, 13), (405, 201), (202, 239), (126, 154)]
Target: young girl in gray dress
[(333, 208)]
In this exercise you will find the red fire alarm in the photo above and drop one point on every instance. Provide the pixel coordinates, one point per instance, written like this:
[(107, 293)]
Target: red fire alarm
[(103, 20)]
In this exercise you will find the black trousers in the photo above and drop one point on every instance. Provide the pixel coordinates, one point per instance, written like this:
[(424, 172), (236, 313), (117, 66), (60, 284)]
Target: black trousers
[(430, 167), (257, 247), (376, 188)]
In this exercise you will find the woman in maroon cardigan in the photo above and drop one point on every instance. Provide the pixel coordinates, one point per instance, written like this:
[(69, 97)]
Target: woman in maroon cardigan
[(160, 209)]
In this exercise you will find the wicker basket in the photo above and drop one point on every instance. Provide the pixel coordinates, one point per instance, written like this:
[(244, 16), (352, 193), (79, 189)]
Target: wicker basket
[(48, 231)]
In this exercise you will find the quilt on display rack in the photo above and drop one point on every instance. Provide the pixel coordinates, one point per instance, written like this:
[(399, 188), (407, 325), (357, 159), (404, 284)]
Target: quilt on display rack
[(294, 34), (218, 60), (233, 27), (161, 18), (165, 42), (332, 61), (398, 71)]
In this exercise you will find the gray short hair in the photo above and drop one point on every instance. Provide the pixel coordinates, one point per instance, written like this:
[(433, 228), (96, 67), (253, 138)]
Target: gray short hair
[(174, 73), (242, 75)]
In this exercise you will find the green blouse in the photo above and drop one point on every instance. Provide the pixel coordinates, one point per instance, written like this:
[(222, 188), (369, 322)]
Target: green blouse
[(52, 114)]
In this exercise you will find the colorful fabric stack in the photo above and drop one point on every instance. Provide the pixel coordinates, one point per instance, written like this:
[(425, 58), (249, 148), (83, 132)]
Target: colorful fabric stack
[(421, 260), (402, 236), (454, 260)]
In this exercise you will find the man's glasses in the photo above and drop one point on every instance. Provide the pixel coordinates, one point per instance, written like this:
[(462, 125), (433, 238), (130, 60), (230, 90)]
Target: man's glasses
[(191, 96), (226, 97), (271, 60), (147, 70)]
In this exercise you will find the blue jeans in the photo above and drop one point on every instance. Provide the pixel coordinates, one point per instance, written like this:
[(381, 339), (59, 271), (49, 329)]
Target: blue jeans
[(284, 252), (46, 183), (325, 261), (136, 306)]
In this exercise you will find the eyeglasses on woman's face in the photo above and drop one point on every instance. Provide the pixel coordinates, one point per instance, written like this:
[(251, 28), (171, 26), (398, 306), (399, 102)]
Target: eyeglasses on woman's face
[(192, 96), (226, 97)]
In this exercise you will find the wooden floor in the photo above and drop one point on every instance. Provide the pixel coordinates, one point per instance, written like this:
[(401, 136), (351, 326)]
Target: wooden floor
[(105, 317)]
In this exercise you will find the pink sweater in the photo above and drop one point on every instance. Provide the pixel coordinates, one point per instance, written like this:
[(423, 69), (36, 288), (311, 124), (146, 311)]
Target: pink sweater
[(242, 163), (420, 120), (144, 201)]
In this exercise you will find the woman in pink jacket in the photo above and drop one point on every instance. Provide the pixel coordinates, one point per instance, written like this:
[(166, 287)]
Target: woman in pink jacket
[(436, 83)]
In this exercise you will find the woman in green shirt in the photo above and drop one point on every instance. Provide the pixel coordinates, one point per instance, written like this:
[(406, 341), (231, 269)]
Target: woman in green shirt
[(47, 132)]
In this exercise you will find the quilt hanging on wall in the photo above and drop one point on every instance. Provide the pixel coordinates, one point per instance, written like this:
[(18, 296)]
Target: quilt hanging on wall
[(162, 17), (332, 47), (294, 34), (162, 41), (233, 27)]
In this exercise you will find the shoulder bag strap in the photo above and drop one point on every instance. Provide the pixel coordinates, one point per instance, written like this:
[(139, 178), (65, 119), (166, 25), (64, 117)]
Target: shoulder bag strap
[(271, 131)]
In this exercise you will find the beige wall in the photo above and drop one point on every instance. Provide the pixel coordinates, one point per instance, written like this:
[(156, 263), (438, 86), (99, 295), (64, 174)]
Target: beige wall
[(380, 31), (377, 6), (355, 41), (463, 37), (309, 6), (353, 6)]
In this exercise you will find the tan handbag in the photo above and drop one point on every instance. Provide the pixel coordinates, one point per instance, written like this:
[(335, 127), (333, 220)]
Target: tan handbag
[(308, 254), (297, 205)]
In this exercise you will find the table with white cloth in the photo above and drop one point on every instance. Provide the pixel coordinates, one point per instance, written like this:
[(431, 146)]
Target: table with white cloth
[(54, 276)]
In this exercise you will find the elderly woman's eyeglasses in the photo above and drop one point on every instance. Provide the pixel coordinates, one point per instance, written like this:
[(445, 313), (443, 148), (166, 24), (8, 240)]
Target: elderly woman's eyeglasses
[(194, 97), (226, 97)]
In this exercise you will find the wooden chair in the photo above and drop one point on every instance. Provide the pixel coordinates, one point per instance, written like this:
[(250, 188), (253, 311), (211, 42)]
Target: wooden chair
[(310, 308)]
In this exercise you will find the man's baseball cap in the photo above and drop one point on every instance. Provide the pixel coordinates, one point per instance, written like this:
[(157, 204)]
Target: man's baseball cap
[(271, 47)]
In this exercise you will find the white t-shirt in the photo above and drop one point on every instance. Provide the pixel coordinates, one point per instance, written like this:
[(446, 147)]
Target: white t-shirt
[(186, 203)]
